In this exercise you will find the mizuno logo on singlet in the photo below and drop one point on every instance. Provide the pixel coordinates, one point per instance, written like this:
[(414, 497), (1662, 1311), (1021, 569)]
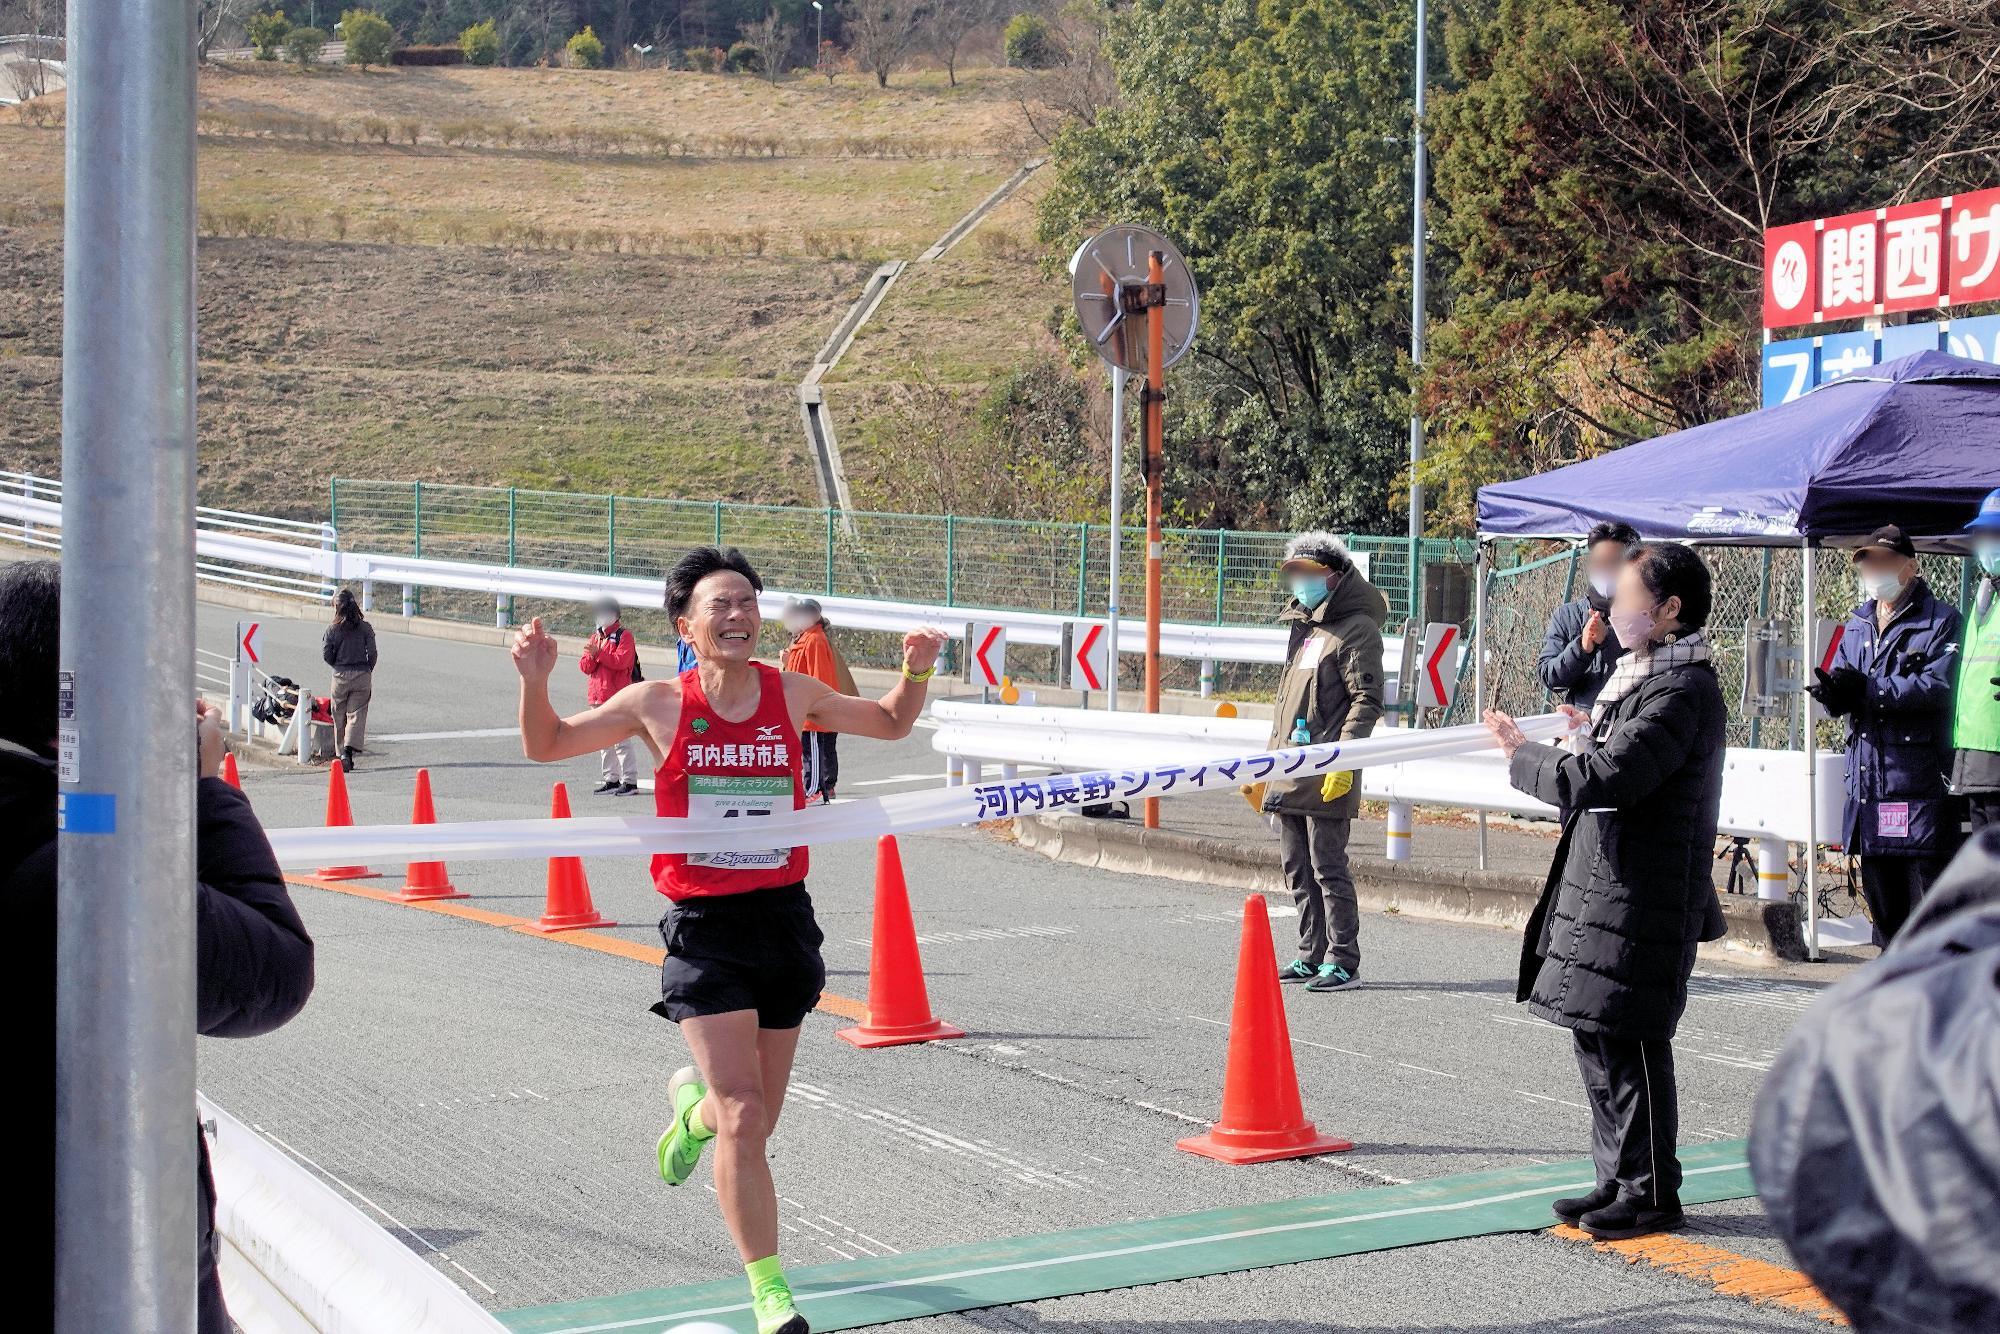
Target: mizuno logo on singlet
[(769, 732)]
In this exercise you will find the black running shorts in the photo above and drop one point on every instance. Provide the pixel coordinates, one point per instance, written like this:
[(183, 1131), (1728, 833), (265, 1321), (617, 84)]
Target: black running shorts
[(755, 951)]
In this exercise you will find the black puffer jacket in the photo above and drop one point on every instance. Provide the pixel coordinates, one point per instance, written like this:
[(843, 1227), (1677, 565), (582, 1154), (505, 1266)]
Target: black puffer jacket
[(349, 648), (253, 971), (1612, 942)]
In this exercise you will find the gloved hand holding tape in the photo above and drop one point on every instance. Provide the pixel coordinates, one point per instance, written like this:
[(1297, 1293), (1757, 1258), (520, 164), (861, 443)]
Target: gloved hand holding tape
[(643, 835)]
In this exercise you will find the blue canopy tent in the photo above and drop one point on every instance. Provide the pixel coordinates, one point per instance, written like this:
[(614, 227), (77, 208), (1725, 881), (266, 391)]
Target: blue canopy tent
[(1915, 442)]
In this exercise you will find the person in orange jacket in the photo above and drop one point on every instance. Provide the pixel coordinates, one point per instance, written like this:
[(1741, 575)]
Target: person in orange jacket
[(812, 654), (611, 661)]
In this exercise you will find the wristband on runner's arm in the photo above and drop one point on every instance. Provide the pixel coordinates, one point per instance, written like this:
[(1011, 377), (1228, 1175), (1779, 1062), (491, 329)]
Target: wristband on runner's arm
[(919, 677)]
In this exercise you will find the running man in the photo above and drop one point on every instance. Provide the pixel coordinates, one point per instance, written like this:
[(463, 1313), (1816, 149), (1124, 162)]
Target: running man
[(743, 964)]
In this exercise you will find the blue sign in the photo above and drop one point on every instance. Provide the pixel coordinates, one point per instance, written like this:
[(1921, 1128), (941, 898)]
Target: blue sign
[(1977, 339), (1788, 370), (1845, 353), (1899, 340), (86, 813)]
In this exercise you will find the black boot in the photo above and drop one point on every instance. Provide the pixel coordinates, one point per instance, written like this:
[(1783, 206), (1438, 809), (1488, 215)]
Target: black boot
[(1576, 1206), (1623, 1219), (347, 759)]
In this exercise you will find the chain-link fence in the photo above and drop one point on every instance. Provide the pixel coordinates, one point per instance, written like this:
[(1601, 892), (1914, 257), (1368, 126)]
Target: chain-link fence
[(1210, 576), (1529, 580)]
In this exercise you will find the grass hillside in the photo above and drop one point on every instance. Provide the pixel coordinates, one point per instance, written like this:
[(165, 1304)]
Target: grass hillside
[(578, 279)]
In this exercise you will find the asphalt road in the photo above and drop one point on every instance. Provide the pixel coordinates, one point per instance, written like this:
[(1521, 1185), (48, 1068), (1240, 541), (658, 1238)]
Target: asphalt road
[(494, 1097)]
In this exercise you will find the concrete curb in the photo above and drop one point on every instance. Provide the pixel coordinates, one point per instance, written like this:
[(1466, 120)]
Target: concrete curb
[(1758, 932)]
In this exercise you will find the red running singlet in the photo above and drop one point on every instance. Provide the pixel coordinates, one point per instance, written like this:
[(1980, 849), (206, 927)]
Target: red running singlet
[(719, 768)]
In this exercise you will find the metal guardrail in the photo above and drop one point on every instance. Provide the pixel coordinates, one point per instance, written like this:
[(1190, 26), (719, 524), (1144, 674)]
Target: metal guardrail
[(1763, 791), (245, 551)]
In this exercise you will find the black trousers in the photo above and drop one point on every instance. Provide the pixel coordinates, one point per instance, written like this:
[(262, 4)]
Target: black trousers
[(1985, 808), (1893, 886), (822, 762), (1635, 1115)]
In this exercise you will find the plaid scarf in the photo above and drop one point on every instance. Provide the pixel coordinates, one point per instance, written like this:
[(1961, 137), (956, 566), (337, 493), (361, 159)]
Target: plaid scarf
[(1637, 665)]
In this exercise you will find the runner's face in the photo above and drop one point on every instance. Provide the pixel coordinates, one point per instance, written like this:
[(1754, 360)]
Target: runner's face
[(722, 619)]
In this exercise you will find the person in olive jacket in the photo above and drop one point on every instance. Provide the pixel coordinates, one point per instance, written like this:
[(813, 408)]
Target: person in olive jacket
[(1331, 691), (253, 958), (1610, 946)]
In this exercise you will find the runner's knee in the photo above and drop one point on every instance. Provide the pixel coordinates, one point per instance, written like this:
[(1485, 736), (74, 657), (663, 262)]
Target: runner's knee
[(742, 1114)]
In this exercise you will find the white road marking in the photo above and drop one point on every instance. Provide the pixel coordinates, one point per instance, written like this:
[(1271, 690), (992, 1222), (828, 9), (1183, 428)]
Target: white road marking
[(1543, 1097), (1407, 1066), (897, 778)]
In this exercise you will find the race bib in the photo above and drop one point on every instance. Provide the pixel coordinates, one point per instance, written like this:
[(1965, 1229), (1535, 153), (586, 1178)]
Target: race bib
[(731, 796), (1892, 819)]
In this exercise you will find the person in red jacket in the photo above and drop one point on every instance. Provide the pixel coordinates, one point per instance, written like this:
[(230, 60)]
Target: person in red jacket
[(611, 661)]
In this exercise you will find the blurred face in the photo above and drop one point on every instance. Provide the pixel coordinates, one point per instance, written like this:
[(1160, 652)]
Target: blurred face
[(722, 620), (1635, 616), (1602, 566), (1883, 574), (606, 615), (795, 622)]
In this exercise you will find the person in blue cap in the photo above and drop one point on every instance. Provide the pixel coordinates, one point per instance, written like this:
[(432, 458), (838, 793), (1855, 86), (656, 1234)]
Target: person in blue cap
[(1975, 733)]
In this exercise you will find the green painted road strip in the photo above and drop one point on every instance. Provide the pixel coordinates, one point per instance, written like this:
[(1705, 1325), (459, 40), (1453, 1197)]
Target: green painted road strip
[(883, 1289)]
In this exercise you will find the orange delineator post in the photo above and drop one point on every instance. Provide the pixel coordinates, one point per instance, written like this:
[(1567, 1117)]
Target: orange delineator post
[(426, 880), (338, 816), (899, 1004), (569, 907), (1262, 1117), (229, 774)]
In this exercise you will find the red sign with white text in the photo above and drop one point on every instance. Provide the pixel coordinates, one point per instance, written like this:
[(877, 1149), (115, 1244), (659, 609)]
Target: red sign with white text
[(1931, 255)]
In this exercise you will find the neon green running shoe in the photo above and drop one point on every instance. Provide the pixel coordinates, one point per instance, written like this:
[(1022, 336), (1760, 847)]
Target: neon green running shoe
[(679, 1149), (771, 1302)]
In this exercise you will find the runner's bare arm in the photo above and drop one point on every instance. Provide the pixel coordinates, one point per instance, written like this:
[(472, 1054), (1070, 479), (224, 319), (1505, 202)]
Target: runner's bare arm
[(544, 735), (891, 717)]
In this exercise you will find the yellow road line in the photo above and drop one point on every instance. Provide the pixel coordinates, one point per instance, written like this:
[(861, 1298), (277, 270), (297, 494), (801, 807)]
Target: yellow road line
[(1730, 1274), (845, 1007)]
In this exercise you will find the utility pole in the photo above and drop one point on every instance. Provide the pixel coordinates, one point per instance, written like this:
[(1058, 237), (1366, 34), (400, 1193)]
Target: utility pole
[(125, 1011), (1420, 169), (1155, 418)]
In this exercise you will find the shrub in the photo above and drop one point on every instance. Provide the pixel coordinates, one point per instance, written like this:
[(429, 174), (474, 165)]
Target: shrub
[(267, 33), (480, 43), (368, 37), (704, 59), (302, 46), (744, 58), (1031, 43), (427, 55), (585, 51), (374, 127)]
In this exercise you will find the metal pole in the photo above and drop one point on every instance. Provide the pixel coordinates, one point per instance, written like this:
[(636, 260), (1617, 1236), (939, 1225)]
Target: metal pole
[(1419, 170), (125, 1013), (1479, 564), (1809, 616), (1155, 419), (1117, 530)]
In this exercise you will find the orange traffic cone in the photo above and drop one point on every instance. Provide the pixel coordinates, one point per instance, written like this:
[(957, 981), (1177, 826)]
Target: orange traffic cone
[(569, 907), (426, 880), (899, 1005), (1262, 1118), (338, 816), (229, 774)]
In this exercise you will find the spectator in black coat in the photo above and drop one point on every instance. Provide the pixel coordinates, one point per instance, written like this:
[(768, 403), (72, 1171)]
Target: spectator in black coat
[(1580, 648), (349, 648), (1609, 948), (253, 962)]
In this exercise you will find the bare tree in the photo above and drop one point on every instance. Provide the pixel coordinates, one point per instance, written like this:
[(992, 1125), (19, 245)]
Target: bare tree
[(882, 34), (210, 18), (773, 41), (1081, 84), (951, 23)]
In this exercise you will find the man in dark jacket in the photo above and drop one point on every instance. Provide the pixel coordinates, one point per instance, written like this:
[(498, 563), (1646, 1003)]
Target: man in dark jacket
[(253, 959), (1891, 680), (1874, 1144), (1579, 649), (1331, 691), (1609, 949)]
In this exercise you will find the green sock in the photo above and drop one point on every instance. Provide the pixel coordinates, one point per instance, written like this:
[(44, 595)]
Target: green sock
[(696, 1127), (763, 1272)]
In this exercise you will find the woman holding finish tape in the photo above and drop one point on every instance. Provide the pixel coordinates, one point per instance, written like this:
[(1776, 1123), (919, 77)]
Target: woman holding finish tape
[(1609, 949), (743, 966)]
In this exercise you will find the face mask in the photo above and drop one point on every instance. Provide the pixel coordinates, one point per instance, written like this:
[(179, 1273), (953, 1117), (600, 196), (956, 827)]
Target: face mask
[(605, 620), (794, 626), (1882, 585), (1988, 556), (1602, 584), (1633, 628), (1310, 590)]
